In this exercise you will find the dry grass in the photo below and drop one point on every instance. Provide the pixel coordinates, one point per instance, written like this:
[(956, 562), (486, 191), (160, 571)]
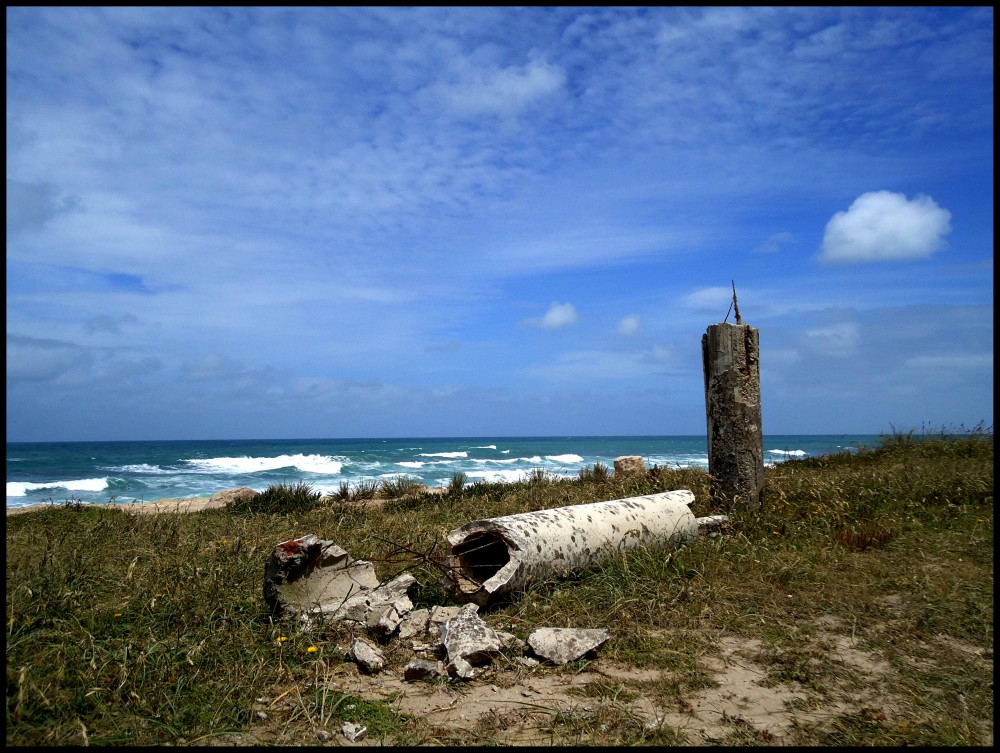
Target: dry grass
[(861, 599)]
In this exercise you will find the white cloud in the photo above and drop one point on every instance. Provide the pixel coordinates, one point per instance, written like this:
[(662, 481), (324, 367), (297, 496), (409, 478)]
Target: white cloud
[(629, 325), (505, 90), (885, 226), (558, 315), (773, 243), (833, 340)]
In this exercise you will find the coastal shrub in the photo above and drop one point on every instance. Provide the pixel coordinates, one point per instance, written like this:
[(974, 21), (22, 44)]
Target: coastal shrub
[(599, 474), (537, 476), (366, 488), (399, 486), (457, 482), (278, 498)]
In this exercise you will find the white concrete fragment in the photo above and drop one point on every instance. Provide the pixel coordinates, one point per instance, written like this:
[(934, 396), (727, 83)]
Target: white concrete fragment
[(420, 669), (499, 555), (561, 645), (309, 575), (354, 732), (468, 641), (438, 616), (414, 624), (368, 656)]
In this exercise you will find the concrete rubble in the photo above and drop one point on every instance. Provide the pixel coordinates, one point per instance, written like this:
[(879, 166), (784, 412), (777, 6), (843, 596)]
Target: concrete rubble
[(314, 580)]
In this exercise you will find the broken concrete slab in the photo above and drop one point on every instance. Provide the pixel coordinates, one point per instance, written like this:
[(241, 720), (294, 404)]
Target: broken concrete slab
[(368, 656), (421, 669), (317, 581), (490, 557), (414, 624), (308, 574), (439, 616), (389, 604), (562, 645), (468, 641)]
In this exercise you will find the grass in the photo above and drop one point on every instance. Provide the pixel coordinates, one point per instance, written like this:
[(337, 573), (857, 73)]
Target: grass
[(136, 629)]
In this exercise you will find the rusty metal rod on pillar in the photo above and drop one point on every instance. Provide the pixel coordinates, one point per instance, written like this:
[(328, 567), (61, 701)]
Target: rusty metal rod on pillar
[(731, 354)]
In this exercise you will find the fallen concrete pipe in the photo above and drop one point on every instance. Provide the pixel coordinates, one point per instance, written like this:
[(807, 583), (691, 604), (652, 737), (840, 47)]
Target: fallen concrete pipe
[(499, 555)]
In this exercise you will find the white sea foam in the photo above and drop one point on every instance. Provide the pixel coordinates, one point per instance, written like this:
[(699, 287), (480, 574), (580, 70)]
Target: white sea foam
[(411, 464), (21, 488), (505, 452), (138, 468), (444, 454), (306, 463), (503, 476), (570, 458), (486, 447), (796, 453)]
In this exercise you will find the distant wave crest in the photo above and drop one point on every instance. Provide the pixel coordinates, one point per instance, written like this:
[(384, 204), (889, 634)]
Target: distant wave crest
[(21, 488), (306, 463)]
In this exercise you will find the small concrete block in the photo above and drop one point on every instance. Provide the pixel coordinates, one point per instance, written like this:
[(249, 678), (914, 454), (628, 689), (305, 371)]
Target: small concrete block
[(562, 645), (354, 732), (367, 655)]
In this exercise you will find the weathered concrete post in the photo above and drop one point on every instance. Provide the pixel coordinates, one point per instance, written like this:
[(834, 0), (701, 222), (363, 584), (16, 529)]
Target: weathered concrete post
[(732, 404)]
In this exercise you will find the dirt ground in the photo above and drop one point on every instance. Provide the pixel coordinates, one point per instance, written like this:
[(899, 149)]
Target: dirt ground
[(511, 704)]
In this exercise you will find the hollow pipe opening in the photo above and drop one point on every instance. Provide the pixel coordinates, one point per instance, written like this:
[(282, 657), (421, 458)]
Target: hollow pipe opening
[(481, 556)]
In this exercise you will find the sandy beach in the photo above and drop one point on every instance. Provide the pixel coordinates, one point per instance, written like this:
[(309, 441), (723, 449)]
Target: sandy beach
[(191, 504)]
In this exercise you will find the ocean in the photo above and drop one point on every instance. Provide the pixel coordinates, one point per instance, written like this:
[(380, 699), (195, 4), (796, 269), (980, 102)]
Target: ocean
[(121, 472)]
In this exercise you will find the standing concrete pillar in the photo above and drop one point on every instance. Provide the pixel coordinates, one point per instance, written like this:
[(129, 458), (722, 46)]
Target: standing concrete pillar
[(731, 355)]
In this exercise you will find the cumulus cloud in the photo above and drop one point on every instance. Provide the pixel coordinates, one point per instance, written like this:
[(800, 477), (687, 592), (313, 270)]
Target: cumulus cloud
[(629, 325), (558, 315), (885, 226)]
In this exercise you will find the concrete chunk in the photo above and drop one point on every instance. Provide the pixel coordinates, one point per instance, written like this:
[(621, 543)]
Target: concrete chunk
[(420, 669), (367, 655), (468, 640), (561, 645), (310, 575), (318, 581), (414, 624), (354, 732)]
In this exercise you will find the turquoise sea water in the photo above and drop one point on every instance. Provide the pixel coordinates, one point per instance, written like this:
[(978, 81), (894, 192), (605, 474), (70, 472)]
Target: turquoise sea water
[(125, 471)]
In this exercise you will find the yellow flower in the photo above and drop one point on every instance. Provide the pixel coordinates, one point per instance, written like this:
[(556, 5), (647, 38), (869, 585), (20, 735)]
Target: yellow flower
[(282, 639), (312, 650), (118, 614)]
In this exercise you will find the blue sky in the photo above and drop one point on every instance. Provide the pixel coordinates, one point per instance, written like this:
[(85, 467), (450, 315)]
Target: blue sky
[(361, 222)]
